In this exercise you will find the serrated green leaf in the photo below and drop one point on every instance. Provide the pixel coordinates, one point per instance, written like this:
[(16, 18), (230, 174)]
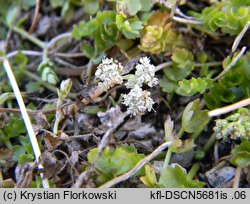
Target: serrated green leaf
[(241, 155), (130, 28), (227, 16), (193, 86), (102, 29), (182, 57), (80, 30), (176, 177), (175, 73), (114, 162)]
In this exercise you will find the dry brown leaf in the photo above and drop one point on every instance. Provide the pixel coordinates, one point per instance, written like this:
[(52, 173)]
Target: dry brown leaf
[(51, 164), (24, 174)]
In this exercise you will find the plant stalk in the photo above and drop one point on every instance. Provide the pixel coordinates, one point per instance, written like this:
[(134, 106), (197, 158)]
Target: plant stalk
[(31, 38)]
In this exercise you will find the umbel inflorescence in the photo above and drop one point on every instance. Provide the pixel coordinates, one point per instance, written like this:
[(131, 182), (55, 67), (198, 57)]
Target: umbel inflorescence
[(109, 74)]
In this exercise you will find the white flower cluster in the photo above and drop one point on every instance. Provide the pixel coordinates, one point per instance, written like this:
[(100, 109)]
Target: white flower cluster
[(145, 73), (138, 100), (109, 73)]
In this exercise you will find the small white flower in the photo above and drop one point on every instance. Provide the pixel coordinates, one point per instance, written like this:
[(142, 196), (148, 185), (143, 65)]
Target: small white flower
[(145, 73), (109, 73), (138, 100)]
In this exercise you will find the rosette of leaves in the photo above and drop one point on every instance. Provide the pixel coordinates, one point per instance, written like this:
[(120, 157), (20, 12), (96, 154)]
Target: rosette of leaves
[(102, 29), (114, 161), (234, 126), (130, 28), (233, 86), (239, 76), (230, 16), (158, 36), (46, 69)]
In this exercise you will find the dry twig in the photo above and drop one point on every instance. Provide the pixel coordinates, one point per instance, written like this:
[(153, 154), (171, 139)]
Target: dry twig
[(36, 17), (227, 109)]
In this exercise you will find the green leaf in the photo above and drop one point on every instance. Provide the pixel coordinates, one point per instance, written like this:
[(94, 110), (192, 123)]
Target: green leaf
[(19, 63), (221, 93), (18, 150), (89, 50), (84, 29), (150, 178), (11, 15), (27, 4), (167, 85), (228, 16), (241, 155), (90, 6), (32, 87), (175, 73), (146, 5), (25, 158), (14, 128), (182, 57), (194, 119), (193, 86), (114, 162), (176, 177), (56, 3), (46, 69), (102, 29), (133, 6), (5, 96), (130, 28)]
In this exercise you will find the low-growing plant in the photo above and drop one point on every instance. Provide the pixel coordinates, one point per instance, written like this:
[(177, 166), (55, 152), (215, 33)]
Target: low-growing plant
[(117, 52), (114, 161)]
